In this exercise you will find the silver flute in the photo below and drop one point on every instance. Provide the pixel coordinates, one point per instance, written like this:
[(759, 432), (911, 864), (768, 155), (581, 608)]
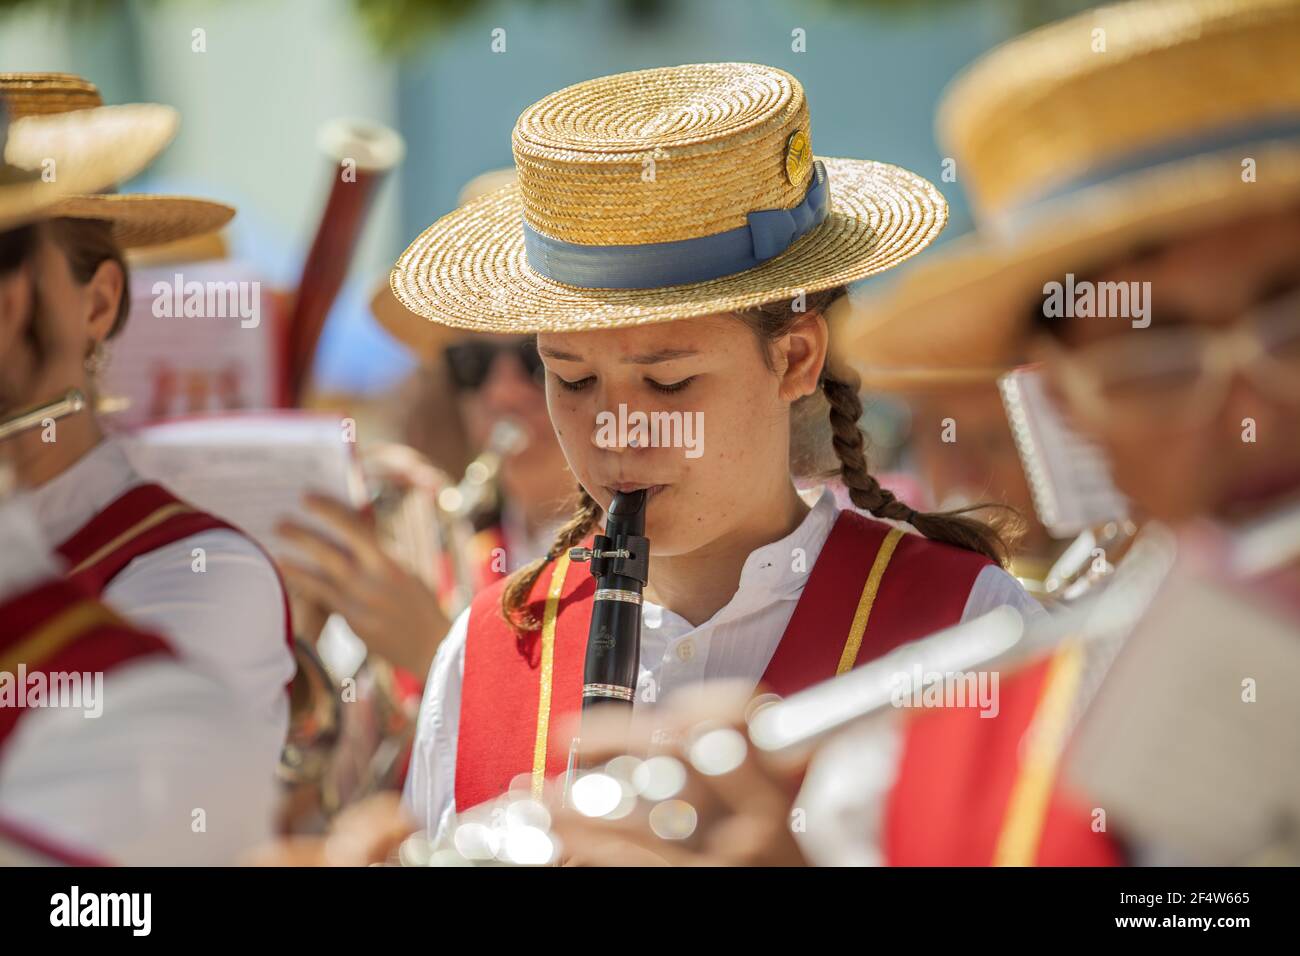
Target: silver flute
[(71, 402), (1002, 640)]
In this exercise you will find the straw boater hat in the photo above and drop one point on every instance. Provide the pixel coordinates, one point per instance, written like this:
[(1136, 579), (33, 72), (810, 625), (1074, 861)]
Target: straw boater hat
[(664, 194), (44, 160), (1073, 156), (62, 117)]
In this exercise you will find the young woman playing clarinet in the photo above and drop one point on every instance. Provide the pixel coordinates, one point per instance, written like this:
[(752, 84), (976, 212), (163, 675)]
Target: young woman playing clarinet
[(124, 538), (675, 246)]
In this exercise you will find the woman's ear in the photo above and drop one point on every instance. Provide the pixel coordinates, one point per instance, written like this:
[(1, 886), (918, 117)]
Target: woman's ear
[(104, 294), (805, 354)]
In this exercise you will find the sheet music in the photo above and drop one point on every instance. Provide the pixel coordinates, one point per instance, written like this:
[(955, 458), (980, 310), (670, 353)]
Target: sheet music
[(1068, 476), (251, 470), (167, 362), (1175, 749)]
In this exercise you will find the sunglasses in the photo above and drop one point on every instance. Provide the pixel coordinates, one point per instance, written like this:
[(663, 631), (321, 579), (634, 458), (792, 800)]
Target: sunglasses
[(469, 363), (1179, 377)]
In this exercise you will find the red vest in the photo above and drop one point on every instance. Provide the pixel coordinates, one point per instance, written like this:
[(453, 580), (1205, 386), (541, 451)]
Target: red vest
[(976, 791), (59, 628), (143, 519), (872, 589)]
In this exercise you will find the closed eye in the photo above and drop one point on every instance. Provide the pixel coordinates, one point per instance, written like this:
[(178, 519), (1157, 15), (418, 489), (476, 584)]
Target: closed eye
[(672, 386), (576, 386)]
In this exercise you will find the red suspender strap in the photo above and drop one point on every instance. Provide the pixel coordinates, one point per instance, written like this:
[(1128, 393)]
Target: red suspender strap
[(975, 791), (872, 589), (514, 692), (145, 518), (58, 628), (19, 846), (484, 566)]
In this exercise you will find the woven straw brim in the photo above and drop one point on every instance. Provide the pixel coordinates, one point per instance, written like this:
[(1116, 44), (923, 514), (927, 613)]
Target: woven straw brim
[(875, 378), (144, 219), (93, 150), (86, 150), (969, 305), (468, 269), (206, 247)]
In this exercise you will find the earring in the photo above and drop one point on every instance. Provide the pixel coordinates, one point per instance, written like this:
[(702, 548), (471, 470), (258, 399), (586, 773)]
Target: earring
[(96, 359)]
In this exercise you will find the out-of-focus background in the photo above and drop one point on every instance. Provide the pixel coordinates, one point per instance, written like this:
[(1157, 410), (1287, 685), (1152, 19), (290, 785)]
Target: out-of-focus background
[(254, 82)]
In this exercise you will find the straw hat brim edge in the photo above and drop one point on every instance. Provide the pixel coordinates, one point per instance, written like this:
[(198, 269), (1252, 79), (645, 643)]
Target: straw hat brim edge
[(963, 306), (468, 270), (426, 340), (95, 149), (83, 151), (147, 219)]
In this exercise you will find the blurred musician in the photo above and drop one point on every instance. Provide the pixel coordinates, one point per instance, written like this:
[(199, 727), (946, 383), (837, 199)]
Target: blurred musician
[(1198, 414), (158, 562), (466, 387), (471, 383), (115, 745)]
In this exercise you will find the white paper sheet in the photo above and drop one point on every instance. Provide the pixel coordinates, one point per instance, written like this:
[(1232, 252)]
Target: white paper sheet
[(252, 470)]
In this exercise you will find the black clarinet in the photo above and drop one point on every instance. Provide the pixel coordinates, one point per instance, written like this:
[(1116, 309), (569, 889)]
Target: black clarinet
[(620, 560)]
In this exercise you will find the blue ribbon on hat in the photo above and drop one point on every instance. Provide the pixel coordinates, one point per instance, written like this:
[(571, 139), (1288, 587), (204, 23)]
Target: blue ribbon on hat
[(768, 233), (1201, 143)]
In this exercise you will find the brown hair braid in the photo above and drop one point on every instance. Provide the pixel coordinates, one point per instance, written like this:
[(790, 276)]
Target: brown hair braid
[(515, 606), (839, 389), (951, 527)]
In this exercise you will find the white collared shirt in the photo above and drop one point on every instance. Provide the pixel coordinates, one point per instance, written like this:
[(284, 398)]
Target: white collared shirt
[(522, 546), (737, 642), (169, 773), (228, 619)]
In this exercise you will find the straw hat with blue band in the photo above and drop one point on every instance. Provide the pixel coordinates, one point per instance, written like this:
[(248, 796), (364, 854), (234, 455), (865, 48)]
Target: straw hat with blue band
[(62, 117), (1073, 157), (664, 194), (767, 233)]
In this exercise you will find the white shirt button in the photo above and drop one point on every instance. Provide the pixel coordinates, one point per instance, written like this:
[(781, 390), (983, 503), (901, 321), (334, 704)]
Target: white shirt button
[(652, 615), (685, 650)]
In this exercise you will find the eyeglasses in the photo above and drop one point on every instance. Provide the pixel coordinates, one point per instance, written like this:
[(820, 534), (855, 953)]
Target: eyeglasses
[(470, 362), (1179, 377)]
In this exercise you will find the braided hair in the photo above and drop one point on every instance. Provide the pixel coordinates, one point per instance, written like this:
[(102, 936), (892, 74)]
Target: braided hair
[(951, 527), (514, 599)]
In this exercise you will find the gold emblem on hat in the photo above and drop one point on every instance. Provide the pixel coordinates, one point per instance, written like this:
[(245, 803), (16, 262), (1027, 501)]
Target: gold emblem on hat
[(798, 157)]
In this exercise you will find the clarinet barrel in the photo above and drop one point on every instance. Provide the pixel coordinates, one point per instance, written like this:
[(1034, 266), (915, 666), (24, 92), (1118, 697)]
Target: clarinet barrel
[(620, 561)]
